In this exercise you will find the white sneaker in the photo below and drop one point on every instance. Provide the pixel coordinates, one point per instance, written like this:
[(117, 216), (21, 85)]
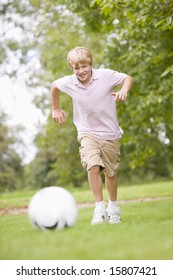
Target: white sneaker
[(114, 215), (99, 216)]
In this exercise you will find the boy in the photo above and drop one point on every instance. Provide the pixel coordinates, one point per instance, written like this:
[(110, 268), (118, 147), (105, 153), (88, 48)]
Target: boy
[(94, 115)]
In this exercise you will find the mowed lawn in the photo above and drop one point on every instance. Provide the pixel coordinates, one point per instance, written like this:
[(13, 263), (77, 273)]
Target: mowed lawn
[(146, 230)]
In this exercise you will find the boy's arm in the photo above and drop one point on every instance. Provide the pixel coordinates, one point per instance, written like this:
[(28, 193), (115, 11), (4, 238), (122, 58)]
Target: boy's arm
[(58, 115), (121, 95)]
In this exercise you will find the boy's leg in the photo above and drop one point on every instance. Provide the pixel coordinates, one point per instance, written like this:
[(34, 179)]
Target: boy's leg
[(111, 185), (113, 209), (95, 182), (91, 160), (111, 158)]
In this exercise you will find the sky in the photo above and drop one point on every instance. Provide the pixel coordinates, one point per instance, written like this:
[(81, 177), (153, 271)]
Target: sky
[(16, 102), (15, 98)]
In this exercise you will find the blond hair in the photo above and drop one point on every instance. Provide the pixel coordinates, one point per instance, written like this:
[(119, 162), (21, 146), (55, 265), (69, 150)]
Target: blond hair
[(79, 55)]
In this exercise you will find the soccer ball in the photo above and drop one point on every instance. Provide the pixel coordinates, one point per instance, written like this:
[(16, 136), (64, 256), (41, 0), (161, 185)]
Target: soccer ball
[(52, 208)]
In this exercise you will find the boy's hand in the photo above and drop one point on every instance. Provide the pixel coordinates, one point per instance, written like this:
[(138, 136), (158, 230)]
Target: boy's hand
[(59, 116), (120, 95)]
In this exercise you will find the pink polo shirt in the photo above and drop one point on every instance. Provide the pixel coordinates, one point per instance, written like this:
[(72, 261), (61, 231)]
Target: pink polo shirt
[(94, 108)]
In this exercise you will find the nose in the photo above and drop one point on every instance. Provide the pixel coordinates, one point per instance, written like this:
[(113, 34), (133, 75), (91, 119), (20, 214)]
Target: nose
[(80, 70)]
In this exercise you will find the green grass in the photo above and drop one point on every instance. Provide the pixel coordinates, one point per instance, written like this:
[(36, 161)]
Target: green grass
[(145, 232), (83, 195)]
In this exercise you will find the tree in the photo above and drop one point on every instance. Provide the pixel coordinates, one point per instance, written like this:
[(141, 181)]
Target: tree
[(130, 36), (17, 44), (140, 42), (10, 163)]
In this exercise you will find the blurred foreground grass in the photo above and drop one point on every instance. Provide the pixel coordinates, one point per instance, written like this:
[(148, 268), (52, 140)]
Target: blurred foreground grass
[(145, 232)]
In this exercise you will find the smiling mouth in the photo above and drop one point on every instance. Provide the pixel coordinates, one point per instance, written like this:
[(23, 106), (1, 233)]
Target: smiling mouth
[(82, 77)]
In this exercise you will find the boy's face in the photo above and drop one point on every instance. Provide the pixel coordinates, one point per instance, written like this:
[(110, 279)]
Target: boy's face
[(83, 71)]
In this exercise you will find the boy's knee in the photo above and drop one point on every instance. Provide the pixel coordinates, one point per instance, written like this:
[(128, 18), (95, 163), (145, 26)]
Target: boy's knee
[(94, 170)]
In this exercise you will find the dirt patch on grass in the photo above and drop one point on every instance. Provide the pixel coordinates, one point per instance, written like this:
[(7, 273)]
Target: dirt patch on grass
[(21, 210), (13, 210)]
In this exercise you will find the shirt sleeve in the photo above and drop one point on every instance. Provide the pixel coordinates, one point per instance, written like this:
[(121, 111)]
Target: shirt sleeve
[(117, 78), (62, 83)]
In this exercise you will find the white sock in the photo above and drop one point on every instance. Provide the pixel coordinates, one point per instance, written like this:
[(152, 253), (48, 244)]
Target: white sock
[(100, 204), (112, 204)]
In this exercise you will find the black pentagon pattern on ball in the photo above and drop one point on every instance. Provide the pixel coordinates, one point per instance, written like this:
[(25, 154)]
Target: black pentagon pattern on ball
[(51, 227), (56, 226)]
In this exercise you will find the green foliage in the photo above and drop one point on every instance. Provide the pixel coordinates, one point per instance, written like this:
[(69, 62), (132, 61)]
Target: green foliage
[(15, 17), (141, 45), (58, 155), (10, 162), (129, 36)]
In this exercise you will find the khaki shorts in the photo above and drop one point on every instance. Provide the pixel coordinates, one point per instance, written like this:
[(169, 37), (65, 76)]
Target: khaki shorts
[(96, 151)]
